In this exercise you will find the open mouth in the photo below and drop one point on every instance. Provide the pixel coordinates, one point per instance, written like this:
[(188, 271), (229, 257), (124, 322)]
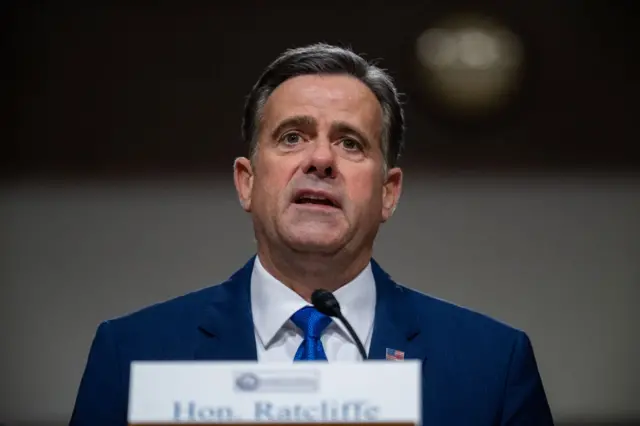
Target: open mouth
[(315, 200)]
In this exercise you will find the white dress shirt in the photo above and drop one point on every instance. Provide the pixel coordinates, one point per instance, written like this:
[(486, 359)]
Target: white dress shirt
[(278, 338)]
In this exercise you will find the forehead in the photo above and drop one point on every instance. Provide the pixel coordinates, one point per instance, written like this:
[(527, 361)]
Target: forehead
[(327, 98)]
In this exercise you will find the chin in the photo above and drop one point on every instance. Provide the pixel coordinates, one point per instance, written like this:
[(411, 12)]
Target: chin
[(320, 243)]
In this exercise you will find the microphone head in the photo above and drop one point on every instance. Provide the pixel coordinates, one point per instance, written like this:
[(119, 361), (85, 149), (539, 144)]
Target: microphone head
[(326, 303)]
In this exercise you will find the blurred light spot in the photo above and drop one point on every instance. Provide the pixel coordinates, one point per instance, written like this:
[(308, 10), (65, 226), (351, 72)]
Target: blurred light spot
[(470, 62)]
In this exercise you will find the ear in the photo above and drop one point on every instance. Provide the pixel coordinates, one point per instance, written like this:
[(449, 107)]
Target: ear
[(391, 191), (243, 179)]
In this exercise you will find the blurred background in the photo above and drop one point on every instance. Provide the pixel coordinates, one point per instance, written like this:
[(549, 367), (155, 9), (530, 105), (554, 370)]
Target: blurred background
[(522, 197)]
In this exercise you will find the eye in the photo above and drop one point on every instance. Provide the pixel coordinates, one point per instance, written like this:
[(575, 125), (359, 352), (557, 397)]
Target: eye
[(291, 138), (351, 144)]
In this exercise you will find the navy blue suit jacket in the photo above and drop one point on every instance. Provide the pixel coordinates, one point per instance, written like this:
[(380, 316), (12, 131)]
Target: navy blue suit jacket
[(476, 371)]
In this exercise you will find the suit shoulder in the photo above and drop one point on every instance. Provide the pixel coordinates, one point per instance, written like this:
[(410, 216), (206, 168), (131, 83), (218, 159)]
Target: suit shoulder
[(180, 308), (189, 307), (446, 314)]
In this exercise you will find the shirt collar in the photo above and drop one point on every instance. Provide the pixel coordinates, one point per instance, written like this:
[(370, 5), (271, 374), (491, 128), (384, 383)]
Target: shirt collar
[(273, 304)]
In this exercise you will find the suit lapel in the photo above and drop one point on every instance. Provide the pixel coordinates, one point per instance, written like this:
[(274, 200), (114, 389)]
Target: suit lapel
[(396, 323), (227, 331)]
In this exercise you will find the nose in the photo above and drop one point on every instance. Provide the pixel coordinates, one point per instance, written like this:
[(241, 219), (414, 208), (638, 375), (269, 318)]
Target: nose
[(321, 160)]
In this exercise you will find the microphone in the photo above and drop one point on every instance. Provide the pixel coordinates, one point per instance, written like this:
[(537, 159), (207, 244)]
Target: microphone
[(326, 303)]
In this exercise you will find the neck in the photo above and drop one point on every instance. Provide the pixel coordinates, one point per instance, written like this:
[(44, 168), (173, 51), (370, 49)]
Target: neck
[(306, 272)]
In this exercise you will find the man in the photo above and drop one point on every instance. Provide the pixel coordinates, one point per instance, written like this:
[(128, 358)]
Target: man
[(325, 130)]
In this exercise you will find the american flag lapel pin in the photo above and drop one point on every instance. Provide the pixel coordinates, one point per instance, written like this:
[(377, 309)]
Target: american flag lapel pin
[(394, 355)]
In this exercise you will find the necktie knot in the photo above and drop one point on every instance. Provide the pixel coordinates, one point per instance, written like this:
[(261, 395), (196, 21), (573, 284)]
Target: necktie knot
[(311, 322)]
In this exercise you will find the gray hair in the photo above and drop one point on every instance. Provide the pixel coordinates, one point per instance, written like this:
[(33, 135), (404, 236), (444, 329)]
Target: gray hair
[(323, 58)]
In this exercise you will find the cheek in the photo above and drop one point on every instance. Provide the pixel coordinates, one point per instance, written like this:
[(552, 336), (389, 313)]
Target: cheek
[(271, 186), (268, 189), (364, 191)]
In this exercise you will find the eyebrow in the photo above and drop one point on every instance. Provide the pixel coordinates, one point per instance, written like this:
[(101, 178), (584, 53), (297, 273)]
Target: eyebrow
[(296, 121), (342, 127), (308, 121)]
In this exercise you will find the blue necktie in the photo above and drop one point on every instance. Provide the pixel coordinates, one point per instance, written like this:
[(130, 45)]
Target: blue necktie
[(312, 323)]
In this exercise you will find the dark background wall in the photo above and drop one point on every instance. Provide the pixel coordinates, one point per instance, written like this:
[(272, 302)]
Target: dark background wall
[(134, 87), (121, 124)]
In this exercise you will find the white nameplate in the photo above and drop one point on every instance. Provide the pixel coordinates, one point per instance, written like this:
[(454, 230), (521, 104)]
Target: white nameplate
[(301, 392)]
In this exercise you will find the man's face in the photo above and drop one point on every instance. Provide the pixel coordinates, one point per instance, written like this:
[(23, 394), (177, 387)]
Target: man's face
[(317, 182)]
